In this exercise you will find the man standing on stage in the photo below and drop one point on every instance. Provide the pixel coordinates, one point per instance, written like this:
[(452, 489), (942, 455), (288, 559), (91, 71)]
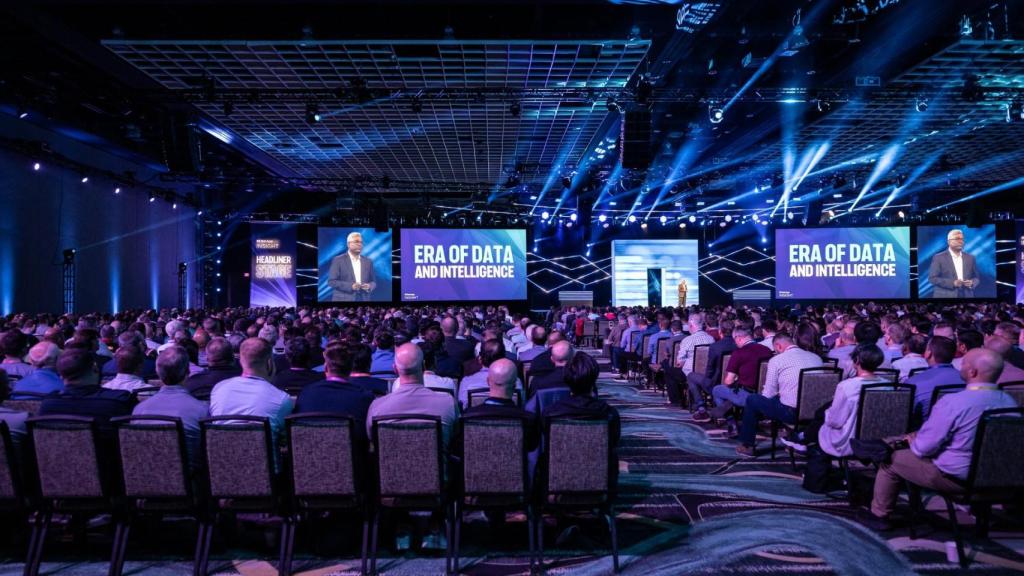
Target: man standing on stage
[(351, 277), (682, 292), (953, 272)]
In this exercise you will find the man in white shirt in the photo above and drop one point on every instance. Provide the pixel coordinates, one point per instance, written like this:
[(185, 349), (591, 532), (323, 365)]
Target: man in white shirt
[(953, 273), (777, 401), (840, 419), (129, 361), (675, 378), (351, 275), (252, 394), (915, 347)]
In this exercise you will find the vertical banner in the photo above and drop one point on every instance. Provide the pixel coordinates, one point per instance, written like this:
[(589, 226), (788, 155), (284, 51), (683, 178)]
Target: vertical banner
[(1019, 261), (272, 282)]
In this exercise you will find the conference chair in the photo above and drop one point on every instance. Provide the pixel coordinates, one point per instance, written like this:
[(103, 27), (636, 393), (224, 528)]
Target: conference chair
[(238, 455), (409, 471), (26, 402), (1014, 389), (940, 391), (157, 479), (634, 360), (480, 395), (816, 388), (701, 355), (915, 371), (589, 333), (578, 472), (762, 374), (494, 474), (545, 397), (72, 474), (884, 410), (144, 393), (888, 374), (13, 497), (327, 470), (830, 362), (724, 364), (996, 474)]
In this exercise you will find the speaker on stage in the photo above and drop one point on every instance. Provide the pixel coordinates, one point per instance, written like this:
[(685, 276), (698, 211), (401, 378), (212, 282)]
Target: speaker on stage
[(636, 139)]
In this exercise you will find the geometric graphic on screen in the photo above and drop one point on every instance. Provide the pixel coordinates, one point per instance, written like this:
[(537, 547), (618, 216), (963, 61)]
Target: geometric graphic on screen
[(631, 260), (937, 272)]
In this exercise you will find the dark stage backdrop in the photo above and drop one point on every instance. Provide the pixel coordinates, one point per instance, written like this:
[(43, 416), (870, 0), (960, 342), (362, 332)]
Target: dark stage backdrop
[(128, 248)]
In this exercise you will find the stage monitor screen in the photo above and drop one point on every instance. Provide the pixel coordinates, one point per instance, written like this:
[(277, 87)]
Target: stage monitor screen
[(354, 265), (956, 262), (842, 263), (655, 272), (455, 264)]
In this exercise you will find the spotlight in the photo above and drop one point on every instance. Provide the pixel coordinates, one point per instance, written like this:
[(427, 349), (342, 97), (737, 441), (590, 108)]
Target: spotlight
[(22, 114), (200, 213), (85, 179), (921, 105), (663, 220), (514, 109), (692, 218), (544, 215), (715, 115), (721, 224), (36, 166), (602, 218), (632, 218), (117, 190), (573, 216), (174, 206), (643, 226), (789, 215), (728, 217), (901, 214), (568, 224), (152, 198), (312, 113), (682, 225)]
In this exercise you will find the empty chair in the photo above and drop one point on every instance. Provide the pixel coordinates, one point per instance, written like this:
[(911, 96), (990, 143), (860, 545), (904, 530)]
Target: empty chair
[(156, 478), (996, 473), (240, 477), (817, 387), (410, 471), (495, 473), (327, 468), (72, 475), (578, 472)]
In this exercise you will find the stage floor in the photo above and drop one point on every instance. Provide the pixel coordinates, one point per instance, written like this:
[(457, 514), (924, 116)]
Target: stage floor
[(687, 504)]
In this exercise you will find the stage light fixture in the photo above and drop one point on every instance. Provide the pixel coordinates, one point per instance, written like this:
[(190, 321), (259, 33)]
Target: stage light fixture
[(22, 114), (728, 218), (715, 114), (901, 214), (152, 198), (573, 216), (544, 215), (632, 218), (692, 218), (602, 218), (85, 179), (36, 166), (682, 225), (921, 104), (605, 225), (568, 224), (643, 226), (663, 220), (174, 206), (789, 215), (312, 113)]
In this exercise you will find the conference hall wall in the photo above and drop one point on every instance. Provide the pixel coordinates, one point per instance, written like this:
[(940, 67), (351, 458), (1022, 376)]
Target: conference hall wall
[(128, 248)]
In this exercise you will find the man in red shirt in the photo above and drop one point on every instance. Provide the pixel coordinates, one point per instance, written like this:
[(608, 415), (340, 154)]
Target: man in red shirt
[(741, 374)]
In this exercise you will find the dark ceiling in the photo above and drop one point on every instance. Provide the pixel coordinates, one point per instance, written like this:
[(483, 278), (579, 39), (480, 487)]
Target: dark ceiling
[(518, 107)]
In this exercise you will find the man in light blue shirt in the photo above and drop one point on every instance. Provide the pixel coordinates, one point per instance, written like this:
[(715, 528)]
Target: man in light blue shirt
[(939, 353), (939, 455), (662, 332), (252, 394), (174, 400), (383, 359), (44, 379)]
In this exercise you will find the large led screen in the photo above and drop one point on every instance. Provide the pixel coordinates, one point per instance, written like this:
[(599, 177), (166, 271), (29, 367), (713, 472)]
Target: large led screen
[(654, 272), (956, 261), (455, 264), (354, 265), (842, 263)]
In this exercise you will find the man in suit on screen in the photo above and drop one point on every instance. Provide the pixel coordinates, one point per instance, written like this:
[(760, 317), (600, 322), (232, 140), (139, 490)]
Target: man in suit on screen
[(351, 277), (953, 272)]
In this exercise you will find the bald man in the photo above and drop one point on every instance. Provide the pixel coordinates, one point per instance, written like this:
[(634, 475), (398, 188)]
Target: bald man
[(412, 397), (953, 272), (561, 353), (1003, 347), (939, 455)]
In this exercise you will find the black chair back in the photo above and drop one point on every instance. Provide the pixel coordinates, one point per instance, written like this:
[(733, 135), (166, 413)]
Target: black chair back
[(700, 358), (724, 365), (1014, 389), (239, 457), (997, 461), (915, 371), (28, 402), (479, 396), (830, 362), (67, 458), (884, 410), (323, 457), (762, 374), (665, 346), (578, 458), (154, 461), (494, 457), (817, 387), (888, 374), (10, 470), (940, 391), (409, 455), (645, 345)]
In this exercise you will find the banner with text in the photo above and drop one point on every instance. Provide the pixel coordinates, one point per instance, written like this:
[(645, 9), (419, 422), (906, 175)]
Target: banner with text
[(1019, 261), (842, 263), (272, 281), (447, 264)]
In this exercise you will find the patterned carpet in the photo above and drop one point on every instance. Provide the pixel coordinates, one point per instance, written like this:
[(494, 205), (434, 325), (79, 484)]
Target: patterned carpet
[(687, 504)]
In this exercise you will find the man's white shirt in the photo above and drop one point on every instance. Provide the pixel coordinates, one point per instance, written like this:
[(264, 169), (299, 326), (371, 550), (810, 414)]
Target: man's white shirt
[(357, 270)]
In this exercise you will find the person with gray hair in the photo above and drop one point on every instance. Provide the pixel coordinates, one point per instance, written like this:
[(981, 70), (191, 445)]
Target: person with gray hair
[(953, 272), (44, 380), (172, 330), (174, 400), (351, 275)]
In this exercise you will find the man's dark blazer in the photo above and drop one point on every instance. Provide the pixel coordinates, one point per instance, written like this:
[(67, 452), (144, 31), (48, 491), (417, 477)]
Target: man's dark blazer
[(541, 364), (551, 379), (342, 276), (942, 275)]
